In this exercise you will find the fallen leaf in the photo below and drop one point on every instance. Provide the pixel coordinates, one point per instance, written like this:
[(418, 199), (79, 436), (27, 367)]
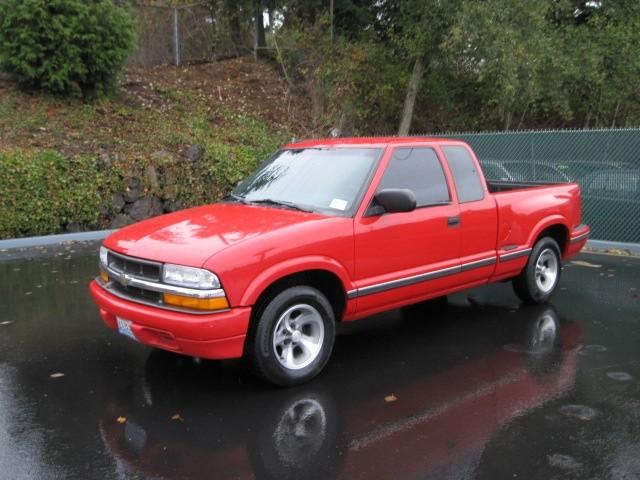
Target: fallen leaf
[(56, 375), (121, 419), (390, 398), (177, 417), (582, 263)]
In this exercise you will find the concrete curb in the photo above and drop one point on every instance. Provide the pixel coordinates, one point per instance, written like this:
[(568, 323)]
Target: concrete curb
[(28, 242), (607, 245)]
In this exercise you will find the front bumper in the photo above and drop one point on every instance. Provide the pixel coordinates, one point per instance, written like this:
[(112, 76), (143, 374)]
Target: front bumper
[(216, 335)]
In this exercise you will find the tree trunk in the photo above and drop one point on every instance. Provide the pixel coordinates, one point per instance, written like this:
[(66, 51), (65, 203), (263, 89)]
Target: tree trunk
[(331, 21), (234, 26), (261, 42), (410, 99), (615, 114)]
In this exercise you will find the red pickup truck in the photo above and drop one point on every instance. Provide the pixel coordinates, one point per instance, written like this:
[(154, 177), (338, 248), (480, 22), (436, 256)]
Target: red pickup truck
[(329, 231)]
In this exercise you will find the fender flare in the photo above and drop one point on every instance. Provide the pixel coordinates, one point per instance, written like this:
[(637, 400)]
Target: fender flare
[(544, 224), (290, 267)]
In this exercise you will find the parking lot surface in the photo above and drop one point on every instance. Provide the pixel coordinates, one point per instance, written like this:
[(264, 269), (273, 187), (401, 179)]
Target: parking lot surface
[(481, 388)]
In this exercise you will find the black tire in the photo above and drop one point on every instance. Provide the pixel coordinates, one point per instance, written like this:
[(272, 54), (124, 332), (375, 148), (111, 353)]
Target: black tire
[(528, 286), (267, 360)]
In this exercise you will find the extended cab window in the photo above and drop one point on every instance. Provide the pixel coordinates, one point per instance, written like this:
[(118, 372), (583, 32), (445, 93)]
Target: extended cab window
[(419, 170), (465, 174)]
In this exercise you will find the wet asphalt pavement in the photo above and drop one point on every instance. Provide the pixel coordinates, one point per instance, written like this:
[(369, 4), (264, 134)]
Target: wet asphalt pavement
[(482, 388)]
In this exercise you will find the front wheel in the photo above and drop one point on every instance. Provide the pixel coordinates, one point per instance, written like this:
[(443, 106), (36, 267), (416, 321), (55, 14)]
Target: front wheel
[(537, 282), (293, 336)]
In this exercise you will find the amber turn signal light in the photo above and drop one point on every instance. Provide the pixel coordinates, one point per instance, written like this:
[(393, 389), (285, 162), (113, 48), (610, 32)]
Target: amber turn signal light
[(104, 277), (217, 303)]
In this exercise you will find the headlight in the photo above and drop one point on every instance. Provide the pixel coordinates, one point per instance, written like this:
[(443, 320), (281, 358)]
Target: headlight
[(189, 277), (103, 256)]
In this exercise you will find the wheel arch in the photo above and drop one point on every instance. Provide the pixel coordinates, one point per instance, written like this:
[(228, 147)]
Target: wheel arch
[(555, 228), (326, 275)]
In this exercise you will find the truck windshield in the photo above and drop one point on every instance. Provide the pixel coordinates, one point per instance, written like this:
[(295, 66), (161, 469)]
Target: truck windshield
[(326, 180)]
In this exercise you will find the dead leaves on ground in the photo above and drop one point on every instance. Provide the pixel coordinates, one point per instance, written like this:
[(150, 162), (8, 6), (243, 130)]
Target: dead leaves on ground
[(582, 263)]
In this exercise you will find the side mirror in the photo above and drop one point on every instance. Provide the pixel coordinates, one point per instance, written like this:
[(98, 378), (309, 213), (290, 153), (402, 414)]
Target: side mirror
[(396, 200)]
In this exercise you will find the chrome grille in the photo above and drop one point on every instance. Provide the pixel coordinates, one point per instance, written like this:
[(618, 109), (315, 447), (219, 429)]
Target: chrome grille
[(138, 293), (140, 268)]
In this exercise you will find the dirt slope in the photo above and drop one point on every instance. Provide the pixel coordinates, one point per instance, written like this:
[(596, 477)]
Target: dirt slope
[(156, 109)]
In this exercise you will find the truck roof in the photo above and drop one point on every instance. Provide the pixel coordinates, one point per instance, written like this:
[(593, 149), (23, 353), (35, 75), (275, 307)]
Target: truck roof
[(365, 141)]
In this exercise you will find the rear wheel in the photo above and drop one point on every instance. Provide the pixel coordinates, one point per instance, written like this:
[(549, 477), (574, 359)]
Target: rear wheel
[(293, 336), (537, 282)]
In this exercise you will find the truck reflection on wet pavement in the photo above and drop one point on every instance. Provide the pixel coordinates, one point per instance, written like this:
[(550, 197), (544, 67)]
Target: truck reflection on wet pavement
[(481, 388)]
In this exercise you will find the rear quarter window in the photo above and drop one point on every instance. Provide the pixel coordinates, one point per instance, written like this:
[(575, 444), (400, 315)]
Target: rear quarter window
[(465, 174)]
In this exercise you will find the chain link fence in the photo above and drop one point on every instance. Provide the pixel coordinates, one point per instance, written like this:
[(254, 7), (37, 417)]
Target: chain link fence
[(605, 163), (179, 35)]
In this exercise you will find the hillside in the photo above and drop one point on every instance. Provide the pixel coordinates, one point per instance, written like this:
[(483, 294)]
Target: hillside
[(171, 138), (156, 109)]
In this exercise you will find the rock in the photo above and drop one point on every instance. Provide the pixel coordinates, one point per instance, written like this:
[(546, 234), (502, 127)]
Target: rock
[(146, 207), (195, 153), (171, 206), (161, 156), (133, 189), (117, 202), (151, 175), (74, 227), (169, 181), (105, 161), (121, 221)]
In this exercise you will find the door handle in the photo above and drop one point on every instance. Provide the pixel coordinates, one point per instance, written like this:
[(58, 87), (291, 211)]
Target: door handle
[(453, 221)]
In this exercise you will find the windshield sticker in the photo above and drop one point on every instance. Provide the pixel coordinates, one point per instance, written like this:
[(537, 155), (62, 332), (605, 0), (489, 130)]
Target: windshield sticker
[(338, 204)]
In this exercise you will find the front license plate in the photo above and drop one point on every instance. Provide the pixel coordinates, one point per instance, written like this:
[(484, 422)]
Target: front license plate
[(124, 327)]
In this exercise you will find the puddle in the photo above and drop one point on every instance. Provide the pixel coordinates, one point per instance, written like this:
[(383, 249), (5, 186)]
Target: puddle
[(581, 412), (620, 376), (592, 349)]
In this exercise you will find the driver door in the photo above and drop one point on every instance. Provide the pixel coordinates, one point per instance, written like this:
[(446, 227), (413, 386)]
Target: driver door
[(400, 256)]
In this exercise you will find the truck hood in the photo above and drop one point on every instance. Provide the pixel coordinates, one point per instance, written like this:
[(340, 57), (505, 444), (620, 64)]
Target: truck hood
[(189, 237)]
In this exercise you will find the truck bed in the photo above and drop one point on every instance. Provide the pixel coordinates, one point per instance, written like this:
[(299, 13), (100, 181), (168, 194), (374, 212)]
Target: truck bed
[(495, 186)]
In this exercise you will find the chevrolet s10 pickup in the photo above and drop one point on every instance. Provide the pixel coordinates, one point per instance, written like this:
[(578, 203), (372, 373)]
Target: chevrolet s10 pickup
[(329, 231)]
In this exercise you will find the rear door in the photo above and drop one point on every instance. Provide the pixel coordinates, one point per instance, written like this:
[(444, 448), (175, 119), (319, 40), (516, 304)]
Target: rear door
[(408, 255), (478, 214)]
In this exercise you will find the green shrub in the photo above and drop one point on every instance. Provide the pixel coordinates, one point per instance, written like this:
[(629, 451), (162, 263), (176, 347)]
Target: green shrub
[(41, 192), (65, 47), (232, 149)]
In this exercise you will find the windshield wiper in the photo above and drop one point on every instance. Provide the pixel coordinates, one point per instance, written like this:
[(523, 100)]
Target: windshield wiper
[(279, 203), (232, 197)]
